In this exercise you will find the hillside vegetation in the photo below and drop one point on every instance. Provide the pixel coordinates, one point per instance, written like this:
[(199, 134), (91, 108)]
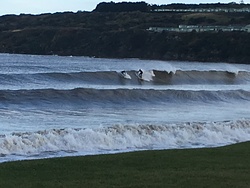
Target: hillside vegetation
[(124, 34)]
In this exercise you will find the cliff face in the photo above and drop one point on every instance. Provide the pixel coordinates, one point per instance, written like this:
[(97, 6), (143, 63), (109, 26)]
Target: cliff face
[(125, 35)]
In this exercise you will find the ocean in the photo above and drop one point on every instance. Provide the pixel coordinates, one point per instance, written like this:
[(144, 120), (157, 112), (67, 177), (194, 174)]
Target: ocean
[(53, 106)]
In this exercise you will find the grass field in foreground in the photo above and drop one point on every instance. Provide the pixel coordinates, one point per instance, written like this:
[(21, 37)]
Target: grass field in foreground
[(213, 167)]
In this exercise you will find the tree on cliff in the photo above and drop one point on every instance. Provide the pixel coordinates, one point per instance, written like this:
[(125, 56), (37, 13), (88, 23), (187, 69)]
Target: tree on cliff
[(122, 7)]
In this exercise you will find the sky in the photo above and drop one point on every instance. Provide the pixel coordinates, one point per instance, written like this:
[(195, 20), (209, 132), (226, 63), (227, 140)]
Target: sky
[(52, 6)]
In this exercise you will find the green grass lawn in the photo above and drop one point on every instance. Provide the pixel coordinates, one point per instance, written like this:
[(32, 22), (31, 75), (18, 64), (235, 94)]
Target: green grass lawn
[(214, 167)]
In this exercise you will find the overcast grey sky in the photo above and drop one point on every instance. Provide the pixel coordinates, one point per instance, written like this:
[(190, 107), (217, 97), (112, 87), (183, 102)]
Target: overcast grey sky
[(51, 6)]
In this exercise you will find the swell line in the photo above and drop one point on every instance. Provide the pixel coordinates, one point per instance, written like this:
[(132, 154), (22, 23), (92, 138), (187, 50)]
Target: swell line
[(117, 96)]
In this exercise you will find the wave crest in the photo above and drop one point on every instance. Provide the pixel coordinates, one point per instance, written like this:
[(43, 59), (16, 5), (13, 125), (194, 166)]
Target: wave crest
[(105, 78)]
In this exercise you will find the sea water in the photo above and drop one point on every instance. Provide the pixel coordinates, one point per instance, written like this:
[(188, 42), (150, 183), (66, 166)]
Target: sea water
[(52, 106)]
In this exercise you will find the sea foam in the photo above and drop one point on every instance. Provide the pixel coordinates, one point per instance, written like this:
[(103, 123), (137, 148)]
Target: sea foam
[(122, 138)]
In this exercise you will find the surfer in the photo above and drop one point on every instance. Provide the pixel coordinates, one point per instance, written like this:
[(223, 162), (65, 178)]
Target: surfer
[(139, 73), (124, 73)]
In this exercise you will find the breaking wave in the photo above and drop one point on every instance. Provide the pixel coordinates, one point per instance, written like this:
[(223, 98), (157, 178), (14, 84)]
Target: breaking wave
[(122, 138), (114, 78)]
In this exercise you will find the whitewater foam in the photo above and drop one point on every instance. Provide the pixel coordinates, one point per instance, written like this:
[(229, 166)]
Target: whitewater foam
[(125, 137)]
